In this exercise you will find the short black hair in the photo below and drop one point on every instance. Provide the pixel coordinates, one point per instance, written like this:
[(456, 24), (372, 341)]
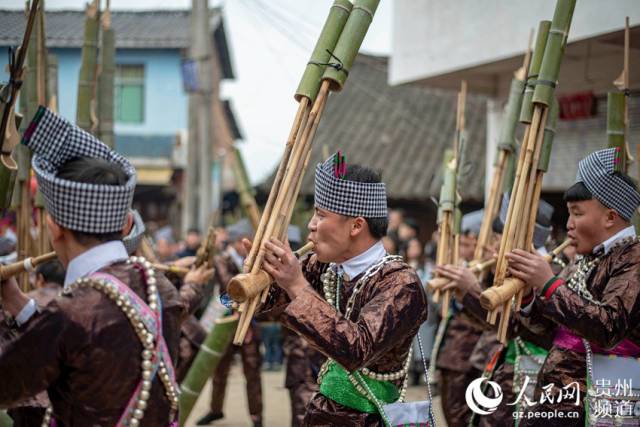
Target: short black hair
[(578, 192), (377, 226), (52, 272), (91, 170), (193, 230)]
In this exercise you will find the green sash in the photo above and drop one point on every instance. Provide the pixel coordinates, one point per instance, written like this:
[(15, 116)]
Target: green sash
[(337, 386), (510, 357)]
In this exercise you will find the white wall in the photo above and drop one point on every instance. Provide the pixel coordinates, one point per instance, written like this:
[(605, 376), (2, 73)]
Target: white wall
[(432, 37)]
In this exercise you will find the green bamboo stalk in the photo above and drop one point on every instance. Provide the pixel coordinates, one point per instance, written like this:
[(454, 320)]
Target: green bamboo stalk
[(526, 112), (553, 52), (205, 363), (106, 81), (310, 82), (615, 124), (87, 80), (350, 41), (549, 134), (507, 141)]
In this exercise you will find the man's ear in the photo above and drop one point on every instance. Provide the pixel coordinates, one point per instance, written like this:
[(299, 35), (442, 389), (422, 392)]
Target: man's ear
[(55, 231), (358, 226), (128, 225), (611, 218)]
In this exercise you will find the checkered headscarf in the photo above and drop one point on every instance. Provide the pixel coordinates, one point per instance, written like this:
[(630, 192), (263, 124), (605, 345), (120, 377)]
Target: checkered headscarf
[(132, 240), (82, 207), (350, 198), (597, 173)]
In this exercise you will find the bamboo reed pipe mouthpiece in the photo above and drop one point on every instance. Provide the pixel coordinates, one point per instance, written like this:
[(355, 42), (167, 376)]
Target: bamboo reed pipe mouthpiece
[(557, 251), (303, 250), (248, 285), (437, 283), (27, 264), (496, 296)]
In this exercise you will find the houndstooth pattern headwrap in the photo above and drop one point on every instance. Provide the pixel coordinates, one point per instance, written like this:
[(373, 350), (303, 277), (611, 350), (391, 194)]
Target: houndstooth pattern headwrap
[(132, 240), (87, 208), (350, 198), (597, 173)]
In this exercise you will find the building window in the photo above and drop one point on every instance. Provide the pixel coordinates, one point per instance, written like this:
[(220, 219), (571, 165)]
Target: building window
[(129, 94)]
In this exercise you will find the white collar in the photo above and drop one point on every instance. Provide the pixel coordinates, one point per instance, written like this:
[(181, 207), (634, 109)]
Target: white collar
[(630, 231), (94, 259), (359, 263)]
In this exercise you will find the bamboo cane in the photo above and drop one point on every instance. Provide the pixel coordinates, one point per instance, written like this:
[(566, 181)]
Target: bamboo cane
[(524, 200), (347, 38)]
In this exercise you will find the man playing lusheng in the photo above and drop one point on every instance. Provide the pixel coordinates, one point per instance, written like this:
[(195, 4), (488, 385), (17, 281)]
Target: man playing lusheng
[(597, 308), (104, 349), (351, 301)]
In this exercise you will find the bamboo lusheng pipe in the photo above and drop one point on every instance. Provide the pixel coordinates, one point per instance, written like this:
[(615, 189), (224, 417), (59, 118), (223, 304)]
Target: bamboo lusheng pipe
[(450, 215), (246, 286), (274, 221), (496, 296), (41, 243), (206, 251), (9, 122), (504, 158), (205, 362), (26, 265), (525, 197), (87, 80), (246, 193), (622, 83), (276, 217), (106, 79)]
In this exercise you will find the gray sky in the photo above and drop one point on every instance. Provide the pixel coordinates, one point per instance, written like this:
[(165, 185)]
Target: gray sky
[(271, 41)]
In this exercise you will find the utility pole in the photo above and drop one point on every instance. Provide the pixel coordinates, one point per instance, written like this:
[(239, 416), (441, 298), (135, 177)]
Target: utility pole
[(199, 157)]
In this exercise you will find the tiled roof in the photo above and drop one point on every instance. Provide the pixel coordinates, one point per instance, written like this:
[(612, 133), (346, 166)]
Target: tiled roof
[(575, 139), (166, 29), (401, 131)]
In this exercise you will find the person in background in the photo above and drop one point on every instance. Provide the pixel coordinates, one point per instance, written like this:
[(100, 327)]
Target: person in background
[(389, 245), (228, 264), (192, 242), (396, 217)]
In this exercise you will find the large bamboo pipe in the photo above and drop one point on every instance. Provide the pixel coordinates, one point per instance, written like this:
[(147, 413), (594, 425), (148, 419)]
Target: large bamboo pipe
[(247, 286), (494, 297)]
